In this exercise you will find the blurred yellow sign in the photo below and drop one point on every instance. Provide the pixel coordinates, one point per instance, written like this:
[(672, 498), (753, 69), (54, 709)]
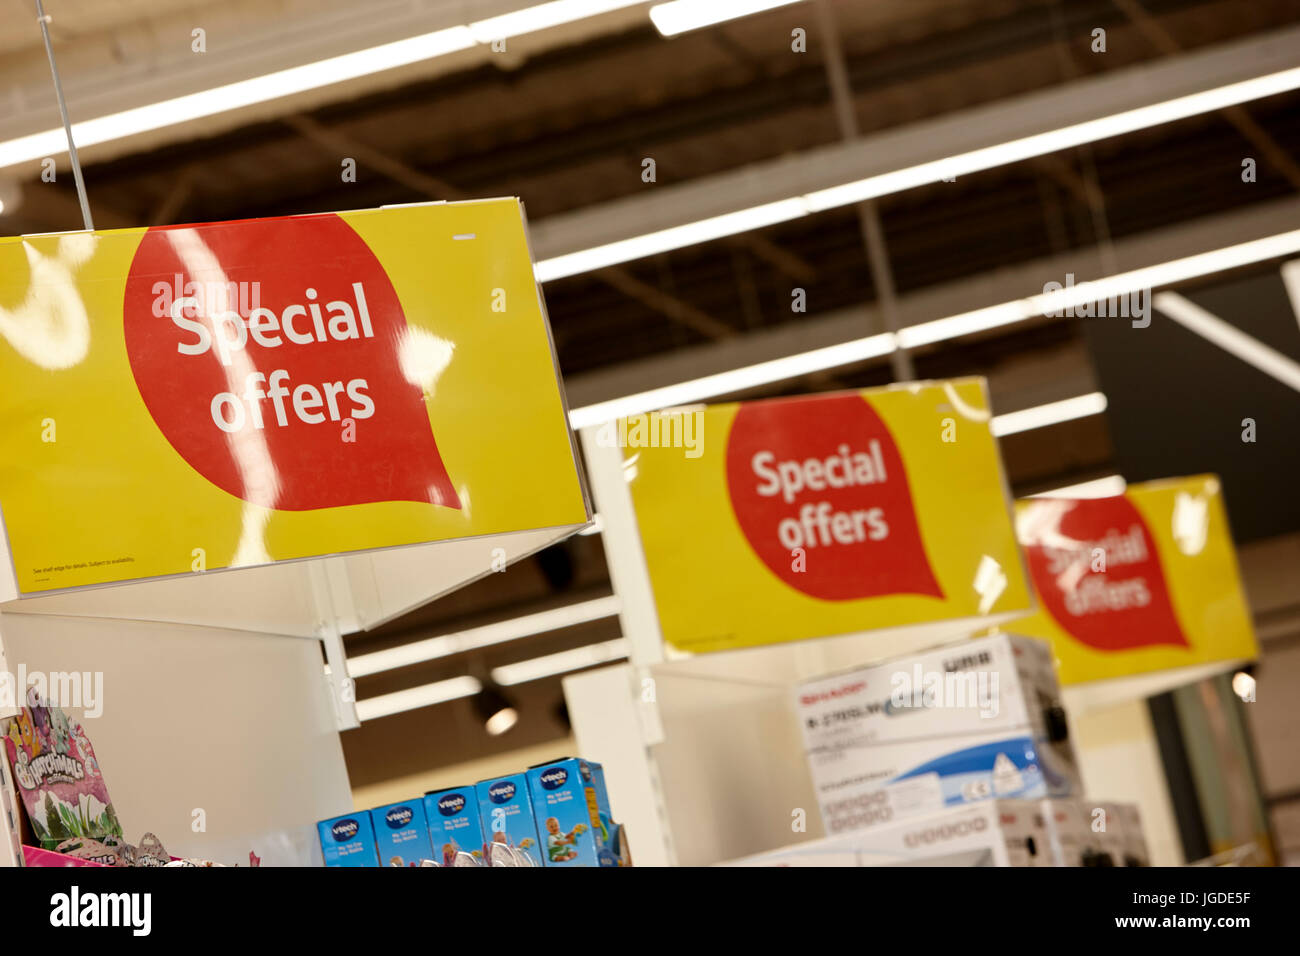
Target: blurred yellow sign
[(1140, 582)]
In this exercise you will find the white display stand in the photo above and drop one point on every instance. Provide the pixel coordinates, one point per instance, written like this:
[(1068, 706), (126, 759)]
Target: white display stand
[(702, 754), (220, 741), (222, 734)]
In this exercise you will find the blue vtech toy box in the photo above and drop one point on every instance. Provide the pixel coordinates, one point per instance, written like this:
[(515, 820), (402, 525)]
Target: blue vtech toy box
[(401, 833), (454, 824), (507, 817), (572, 811), (615, 833), (348, 841)]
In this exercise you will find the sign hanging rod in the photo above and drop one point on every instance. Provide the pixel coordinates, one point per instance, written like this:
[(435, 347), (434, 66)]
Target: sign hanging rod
[(67, 124)]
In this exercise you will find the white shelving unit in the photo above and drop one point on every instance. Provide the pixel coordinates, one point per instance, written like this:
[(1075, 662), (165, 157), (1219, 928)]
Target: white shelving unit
[(703, 754), (222, 725)]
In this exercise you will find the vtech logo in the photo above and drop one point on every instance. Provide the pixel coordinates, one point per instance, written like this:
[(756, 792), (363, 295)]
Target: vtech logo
[(501, 791), (344, 830), (398, 817), (553, 778), (450, 804)]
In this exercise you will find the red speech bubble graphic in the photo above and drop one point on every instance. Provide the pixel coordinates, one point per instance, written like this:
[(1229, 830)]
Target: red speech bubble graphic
[(269, 354), (1124, 606), (824, 475)]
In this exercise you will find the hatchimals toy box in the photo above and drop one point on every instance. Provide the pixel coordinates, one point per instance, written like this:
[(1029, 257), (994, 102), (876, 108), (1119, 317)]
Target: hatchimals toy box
[(507, 817), (454, 824), (401, 833), (57, 775), (567, 807), (348, 841)]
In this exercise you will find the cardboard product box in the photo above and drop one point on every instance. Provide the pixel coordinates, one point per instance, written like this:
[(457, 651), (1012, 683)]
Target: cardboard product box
[(11, 848), (567, 809), (1070, 836), (401, 833), (988, 833), (348, 841), (1077, 839), (1110, 835), (506, 812), (1122, 840), (1135, 841), (615, 833), (454, 824), (602, 793), (976, 720)]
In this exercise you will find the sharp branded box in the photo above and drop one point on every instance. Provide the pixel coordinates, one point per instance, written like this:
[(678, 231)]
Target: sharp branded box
[(989, 833), (454, 824), (507, 816), (348, 841), (401, 834), (971, 721)]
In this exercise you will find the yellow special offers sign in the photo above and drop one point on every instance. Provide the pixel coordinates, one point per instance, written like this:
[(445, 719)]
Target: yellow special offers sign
[(1140, 582), (831, 514), (237, 393)]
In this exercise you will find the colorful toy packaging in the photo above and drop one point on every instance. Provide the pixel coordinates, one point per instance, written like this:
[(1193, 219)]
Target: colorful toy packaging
[(401, 833), (507, 815), (574, 828), (58, 777), (454, 825), (615, 833), (348, 841)]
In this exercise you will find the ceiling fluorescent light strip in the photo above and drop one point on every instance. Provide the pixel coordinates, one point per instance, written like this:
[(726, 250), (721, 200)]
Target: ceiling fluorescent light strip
[(415, 697), (873, 187), (543, 16), (735, 380), (681, 16), (1231, 339), (1053, 413), (417, 652), (938, 330), (1107, 487), (561, 663), (665, 240), (299, 79), (232, 96)]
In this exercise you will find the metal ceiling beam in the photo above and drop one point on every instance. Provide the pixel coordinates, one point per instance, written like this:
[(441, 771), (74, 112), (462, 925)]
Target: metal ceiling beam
[(1163, 41), (917, 143), (873, 234), (433, 188), (813, 332), (134, 62), (791, 265)]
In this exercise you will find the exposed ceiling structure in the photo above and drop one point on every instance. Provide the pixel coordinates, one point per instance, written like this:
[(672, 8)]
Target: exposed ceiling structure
[(566, 118)]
